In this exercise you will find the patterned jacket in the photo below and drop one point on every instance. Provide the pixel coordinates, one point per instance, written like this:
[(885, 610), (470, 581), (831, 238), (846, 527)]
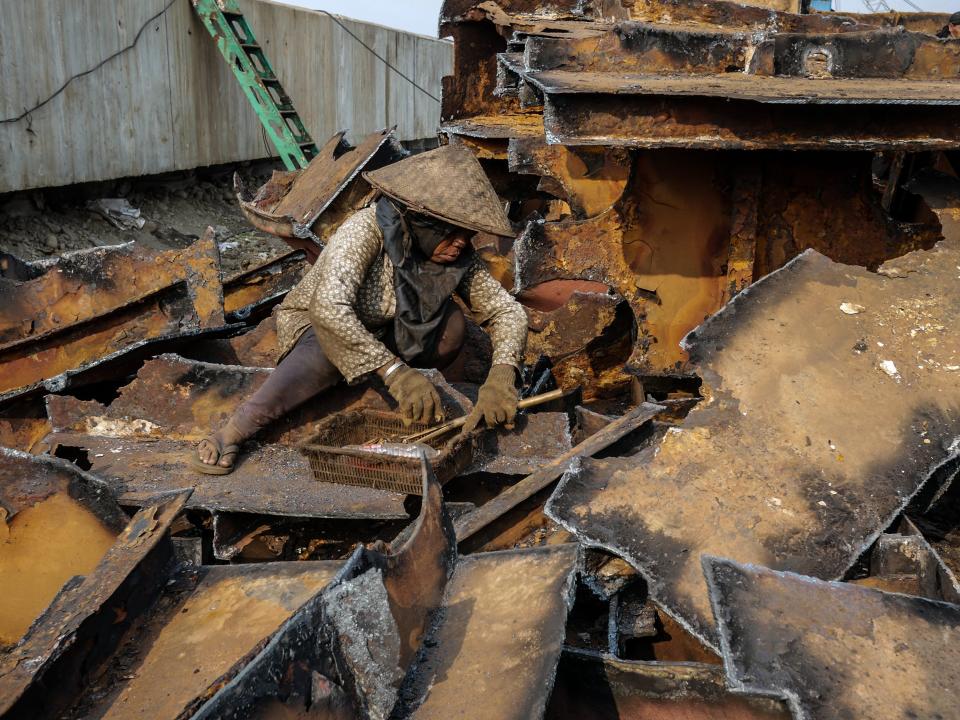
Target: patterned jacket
[(349, 298)]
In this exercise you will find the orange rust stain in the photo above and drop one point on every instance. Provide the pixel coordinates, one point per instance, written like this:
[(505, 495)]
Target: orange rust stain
[(677, 246), (41, 548)]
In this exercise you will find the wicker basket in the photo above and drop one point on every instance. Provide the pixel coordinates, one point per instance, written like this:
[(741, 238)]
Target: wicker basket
[(332, 462)]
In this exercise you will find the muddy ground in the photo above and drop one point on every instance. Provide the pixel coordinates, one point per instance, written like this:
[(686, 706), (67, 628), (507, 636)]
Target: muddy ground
[(177, 208)]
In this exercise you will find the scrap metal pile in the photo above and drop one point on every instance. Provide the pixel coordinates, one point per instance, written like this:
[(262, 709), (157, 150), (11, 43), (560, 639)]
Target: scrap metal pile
[(738, 238)]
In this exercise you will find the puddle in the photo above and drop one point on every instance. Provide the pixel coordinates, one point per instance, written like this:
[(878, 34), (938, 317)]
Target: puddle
[(41, 548)]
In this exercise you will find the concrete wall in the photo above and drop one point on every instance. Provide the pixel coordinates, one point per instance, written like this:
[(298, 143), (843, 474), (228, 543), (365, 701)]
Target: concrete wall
[(171, 102)]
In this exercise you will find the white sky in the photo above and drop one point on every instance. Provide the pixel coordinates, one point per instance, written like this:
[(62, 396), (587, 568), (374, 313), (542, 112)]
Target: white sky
[(420, 16)]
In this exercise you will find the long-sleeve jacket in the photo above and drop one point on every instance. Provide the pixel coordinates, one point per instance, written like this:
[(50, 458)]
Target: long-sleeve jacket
[(349, 298)]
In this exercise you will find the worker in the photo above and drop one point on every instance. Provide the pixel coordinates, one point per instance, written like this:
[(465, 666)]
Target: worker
[(952, 28), (378, 301)]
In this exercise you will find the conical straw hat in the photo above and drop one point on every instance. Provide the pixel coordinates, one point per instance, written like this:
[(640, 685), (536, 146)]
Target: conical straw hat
[(447, 183)]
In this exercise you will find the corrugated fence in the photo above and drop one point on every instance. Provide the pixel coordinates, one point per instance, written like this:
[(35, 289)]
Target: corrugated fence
[(171, 103)]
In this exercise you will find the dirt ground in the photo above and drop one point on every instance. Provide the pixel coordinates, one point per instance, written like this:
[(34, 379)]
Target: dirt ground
[(177, 208)]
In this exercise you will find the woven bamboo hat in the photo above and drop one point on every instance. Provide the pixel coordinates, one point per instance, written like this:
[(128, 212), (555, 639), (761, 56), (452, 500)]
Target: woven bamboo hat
[(447, 183)]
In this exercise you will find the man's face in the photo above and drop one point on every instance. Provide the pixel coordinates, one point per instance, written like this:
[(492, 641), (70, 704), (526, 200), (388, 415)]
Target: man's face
[(954, 30), (451, 246)]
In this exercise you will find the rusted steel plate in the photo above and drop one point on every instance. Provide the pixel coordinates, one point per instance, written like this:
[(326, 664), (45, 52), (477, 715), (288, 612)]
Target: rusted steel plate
[(536, 440), (221, 623), (295, 205), (547, 474), (835, 650), (648, 121), (95, 305), (594, 687), (52, 516), (586, 335), (39, 677), (272, 480), (816, 428), (263, 285), (767, 90), (503, 625)]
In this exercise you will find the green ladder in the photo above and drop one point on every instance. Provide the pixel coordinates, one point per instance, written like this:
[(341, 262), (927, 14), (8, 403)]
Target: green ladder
[(236, 42)]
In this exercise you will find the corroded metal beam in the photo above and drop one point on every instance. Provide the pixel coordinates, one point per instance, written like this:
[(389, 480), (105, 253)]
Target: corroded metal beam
[(96, 305), (688, 112)]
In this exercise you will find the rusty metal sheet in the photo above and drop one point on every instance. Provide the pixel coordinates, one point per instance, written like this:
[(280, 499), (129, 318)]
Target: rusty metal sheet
[(291, 204), (52, 515), (659, 121), (830, 398), (503, 626), (891, 54), (520, 125), (39, 677), (261, 286), (721, 13), (595, 687), (536, 440), (835, 650), (193, 642), (92, 306)]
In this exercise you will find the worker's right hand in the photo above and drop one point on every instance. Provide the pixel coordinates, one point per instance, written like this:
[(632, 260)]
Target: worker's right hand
[(418, 399)]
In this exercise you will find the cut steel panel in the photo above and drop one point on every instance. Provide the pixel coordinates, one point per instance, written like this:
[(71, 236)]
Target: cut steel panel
[(835, 650), (817, 428), (96, 305), (86, 620), (594, 687), (197, 641), (497, 649)]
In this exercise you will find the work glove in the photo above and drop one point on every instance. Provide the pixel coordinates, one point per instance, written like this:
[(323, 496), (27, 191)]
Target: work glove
[(417, 397), (497, 400)]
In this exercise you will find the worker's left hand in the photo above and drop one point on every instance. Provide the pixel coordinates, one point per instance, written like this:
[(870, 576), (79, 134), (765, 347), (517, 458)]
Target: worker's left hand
[(497, 400)]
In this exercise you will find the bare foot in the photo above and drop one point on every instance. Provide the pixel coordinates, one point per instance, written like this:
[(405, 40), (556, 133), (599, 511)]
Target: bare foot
[(210, 450)]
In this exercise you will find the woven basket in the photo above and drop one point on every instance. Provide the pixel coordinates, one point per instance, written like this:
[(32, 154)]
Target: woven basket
[(333, 463)]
